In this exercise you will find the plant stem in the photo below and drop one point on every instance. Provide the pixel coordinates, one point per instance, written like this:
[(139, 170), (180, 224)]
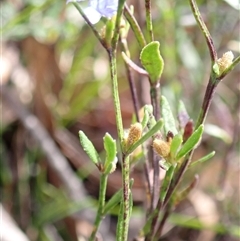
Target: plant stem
[(124, 218), (149, 20), (211, 88), (101, 204), (113, 70), (155, 100), (164, 189), (204, 29), (165, 216), (130, 79), (117, 24), (126, 193)]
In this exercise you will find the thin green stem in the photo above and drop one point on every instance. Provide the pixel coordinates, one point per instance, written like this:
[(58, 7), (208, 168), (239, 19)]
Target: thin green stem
[(113, 70), (204, 30), (126, 193), (130, 78), (149, 20), (101, 204), (117, 24)]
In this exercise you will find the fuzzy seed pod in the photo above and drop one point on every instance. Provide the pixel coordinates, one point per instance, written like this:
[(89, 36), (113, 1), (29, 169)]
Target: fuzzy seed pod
[(135, 133), (161, 147), (225, 61)]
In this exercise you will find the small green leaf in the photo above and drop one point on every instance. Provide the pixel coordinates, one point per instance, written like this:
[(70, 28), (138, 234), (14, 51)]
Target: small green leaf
[(152, 61), (110, 148), (111, 167), (89, 148), (176, 142), (169, 122), (216, 69), (191, 142), (203, 159), (113, 202)]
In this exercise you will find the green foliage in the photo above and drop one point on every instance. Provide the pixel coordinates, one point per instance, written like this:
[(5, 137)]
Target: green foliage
[(191, 143), (89, 148), (152, 61), (175, 145), (203, 159), (169, 120), (110, 148)]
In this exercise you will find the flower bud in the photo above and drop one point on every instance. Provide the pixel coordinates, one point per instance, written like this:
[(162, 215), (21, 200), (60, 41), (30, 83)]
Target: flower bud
[(162, 147), (135, 133), (225, 61)]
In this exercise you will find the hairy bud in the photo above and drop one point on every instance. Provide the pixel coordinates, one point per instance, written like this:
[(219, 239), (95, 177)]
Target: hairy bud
[(135, 133), (225, 61), (162, 147)]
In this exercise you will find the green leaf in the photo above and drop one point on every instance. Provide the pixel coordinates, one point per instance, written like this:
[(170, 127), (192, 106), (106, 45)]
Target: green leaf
[(169, 122), (152, 61), (203, 159), (89, 148), (216, 69), (191, 142), (110, 148), (113, 202), (176, 142)]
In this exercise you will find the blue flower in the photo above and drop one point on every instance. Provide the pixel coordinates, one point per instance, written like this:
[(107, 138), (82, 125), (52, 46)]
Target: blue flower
[(100, 8)]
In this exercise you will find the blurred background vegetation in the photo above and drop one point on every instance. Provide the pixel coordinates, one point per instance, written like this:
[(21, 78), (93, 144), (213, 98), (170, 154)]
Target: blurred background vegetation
[(55, 72)]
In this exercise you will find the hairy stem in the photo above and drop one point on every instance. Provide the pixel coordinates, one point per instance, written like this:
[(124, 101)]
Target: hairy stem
[(102, 195), (126, 193), (117, 24), (113, 70), (149, 20)]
